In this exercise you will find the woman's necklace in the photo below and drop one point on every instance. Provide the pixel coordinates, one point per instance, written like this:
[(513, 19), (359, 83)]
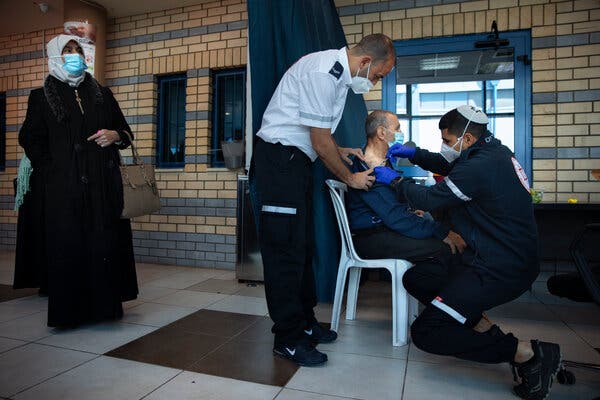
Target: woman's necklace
[(78, 101)]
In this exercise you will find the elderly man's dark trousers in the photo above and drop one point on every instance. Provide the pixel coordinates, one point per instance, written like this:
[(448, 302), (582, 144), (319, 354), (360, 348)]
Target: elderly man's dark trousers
[(284, 183), (455, 298)]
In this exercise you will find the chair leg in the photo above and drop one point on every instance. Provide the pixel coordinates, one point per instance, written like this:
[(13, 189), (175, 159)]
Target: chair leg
[(395, 341), (353, 284), (400, 308), (339, 294)]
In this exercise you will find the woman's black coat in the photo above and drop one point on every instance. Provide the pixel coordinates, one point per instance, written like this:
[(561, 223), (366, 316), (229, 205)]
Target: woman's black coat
[(89, 249)]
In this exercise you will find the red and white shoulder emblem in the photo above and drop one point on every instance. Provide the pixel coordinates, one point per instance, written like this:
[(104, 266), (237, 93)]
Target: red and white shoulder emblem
[(520, 173)]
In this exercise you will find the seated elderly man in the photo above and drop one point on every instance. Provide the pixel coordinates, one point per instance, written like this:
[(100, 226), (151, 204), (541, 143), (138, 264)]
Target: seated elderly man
[(382, 223)]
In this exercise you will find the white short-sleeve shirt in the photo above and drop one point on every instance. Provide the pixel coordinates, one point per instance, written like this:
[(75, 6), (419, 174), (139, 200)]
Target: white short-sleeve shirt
[(312, 93)]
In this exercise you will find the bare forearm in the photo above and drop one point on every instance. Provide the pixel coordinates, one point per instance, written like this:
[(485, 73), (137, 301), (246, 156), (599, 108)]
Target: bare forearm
[(328, 152)]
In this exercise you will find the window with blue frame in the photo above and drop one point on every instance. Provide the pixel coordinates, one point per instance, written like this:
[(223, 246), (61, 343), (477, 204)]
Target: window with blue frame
[(432, 76), (170, 144), (229, 110), (429, 101), (2, 131)]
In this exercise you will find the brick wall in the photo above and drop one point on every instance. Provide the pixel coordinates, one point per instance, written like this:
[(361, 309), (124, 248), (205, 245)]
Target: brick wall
[(197, 224), (565, 72)]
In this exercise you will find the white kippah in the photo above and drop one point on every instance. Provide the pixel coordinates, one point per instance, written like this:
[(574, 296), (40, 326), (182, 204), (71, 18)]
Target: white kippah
[(473, 114)]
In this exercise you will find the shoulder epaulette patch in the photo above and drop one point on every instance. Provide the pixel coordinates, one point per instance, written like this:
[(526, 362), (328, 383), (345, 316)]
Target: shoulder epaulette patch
[(336, 70)]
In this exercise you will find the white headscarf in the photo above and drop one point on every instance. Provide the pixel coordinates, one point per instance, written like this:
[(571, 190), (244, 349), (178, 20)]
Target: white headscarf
[(55, 62)]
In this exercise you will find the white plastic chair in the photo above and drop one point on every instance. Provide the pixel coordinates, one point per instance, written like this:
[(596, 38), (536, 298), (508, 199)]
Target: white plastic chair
[(403, 305)]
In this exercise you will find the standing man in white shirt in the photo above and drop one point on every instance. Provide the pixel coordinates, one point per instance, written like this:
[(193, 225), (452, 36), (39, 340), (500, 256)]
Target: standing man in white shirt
[(296, 129)]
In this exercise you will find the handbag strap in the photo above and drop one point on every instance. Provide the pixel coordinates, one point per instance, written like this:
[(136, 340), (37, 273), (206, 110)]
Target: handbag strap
[(150, 181), (136, 157)]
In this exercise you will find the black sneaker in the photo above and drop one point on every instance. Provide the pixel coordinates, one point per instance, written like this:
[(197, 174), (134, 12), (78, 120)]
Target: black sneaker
[(538, 373), (318, 334), (302, 354)]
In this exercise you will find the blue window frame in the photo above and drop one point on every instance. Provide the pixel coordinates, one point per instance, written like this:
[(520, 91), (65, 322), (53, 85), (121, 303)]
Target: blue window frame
[(2, 131), (490, 96), (170, 144), (229, 110)]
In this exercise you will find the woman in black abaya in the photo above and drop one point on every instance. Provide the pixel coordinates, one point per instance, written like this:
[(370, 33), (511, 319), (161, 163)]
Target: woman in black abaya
[(72, 133)]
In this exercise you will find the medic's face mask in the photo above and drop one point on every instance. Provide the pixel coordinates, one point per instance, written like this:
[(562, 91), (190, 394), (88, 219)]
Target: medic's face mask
[(361, 84), (471, 114), (449, 152)]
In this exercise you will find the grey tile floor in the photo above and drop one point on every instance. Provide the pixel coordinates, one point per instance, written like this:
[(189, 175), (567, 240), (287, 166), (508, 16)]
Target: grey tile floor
[(37, 362)]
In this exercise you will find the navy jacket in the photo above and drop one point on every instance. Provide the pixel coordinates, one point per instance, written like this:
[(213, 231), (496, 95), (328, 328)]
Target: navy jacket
[(486, 194), (380, 206)]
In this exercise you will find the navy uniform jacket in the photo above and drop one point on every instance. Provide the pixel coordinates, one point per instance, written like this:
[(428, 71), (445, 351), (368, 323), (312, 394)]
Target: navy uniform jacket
[(381, 206), (486, 194)]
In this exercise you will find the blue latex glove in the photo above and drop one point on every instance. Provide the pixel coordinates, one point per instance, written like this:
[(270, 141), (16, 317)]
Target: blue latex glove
[(385, 175), (399, 150)]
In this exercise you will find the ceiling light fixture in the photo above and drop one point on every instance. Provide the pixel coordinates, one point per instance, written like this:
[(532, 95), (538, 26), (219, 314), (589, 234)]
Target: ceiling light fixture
[(437, 63)]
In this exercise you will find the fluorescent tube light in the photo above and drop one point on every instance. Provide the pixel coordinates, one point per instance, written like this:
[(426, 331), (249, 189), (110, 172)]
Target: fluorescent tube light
[(431, 64)]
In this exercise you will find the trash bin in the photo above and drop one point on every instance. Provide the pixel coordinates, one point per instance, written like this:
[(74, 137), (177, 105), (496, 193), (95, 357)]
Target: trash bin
[(233, 153), (249, 266)]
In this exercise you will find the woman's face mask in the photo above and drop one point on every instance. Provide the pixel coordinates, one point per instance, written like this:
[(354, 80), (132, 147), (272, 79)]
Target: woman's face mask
[(74, 64), (360, 84)]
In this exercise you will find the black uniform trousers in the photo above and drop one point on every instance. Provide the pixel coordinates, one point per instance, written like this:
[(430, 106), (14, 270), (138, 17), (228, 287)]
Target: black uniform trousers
[(455, 296), (284, 182)]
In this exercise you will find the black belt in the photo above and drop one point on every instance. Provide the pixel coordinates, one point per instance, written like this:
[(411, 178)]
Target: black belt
[(281, 147)]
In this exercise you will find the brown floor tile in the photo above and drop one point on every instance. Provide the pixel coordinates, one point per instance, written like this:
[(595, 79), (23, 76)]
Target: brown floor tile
[(215, 323), (248, 361), (8, 293), (230, 345), (260, 332), (169, 347), (217, 286)]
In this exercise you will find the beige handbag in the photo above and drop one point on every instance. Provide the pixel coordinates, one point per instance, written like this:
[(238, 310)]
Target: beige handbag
[(140, 194)]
